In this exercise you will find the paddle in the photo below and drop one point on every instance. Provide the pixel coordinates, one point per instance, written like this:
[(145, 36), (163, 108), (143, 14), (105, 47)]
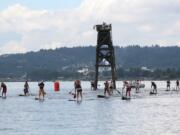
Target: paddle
[(118, 91), (30, 92), (72, 93)]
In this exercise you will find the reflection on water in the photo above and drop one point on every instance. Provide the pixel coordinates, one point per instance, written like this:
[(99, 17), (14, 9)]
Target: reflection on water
[(143, 115)]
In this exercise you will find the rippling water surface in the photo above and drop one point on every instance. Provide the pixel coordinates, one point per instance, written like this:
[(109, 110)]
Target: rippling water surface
[(143, 115)]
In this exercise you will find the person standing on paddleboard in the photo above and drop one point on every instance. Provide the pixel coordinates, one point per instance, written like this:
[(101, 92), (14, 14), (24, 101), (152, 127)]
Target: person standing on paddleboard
[(92, 85), (137, 85), (177, 84), (168, 85), (111, 88), (78, 89), (153, 84), (41, 89), (106, 88), (4, 89), (128, 89), (26, 88)]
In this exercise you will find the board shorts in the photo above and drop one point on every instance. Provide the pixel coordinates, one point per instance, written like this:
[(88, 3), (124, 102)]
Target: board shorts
[(128, 89), (41, 91), (79, 90), (106, 89), (4, 90), (26, 90)]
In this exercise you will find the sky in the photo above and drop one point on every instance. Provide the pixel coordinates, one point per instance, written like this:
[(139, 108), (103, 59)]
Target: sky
[(42, 4), (30, 25)]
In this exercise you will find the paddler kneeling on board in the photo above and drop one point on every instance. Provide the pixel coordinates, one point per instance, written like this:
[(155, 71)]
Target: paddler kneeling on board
[(128, 89), (41, 89), (4, 89), (106, 88), (78, 89)]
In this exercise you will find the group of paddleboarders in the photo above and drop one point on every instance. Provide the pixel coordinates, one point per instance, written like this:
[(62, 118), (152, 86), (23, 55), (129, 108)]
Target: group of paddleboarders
[(41, 89), (128, 85), (169, 85), (108, 88), (26, 91)]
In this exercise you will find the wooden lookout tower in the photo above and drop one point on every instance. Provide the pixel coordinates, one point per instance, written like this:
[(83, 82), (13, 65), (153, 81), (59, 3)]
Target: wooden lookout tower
[(105, 52)]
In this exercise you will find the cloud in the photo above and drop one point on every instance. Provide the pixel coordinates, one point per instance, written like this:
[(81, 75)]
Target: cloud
[(12, 47), (134, 22)]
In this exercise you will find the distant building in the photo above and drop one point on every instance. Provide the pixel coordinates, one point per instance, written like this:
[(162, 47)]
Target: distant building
[(146, 69), (84, 71)]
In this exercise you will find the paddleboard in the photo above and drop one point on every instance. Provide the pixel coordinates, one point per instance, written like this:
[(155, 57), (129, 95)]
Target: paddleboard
[(152, 93), (81, 101), (102, 96), (126, 98), (167, 90), (21, 95), (36, 98), (71, 100)]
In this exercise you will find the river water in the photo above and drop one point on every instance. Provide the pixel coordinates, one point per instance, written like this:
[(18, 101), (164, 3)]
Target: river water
[(142, 115)]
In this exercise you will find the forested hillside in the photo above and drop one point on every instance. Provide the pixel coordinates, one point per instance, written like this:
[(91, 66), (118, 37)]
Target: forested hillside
[(69, 60)]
